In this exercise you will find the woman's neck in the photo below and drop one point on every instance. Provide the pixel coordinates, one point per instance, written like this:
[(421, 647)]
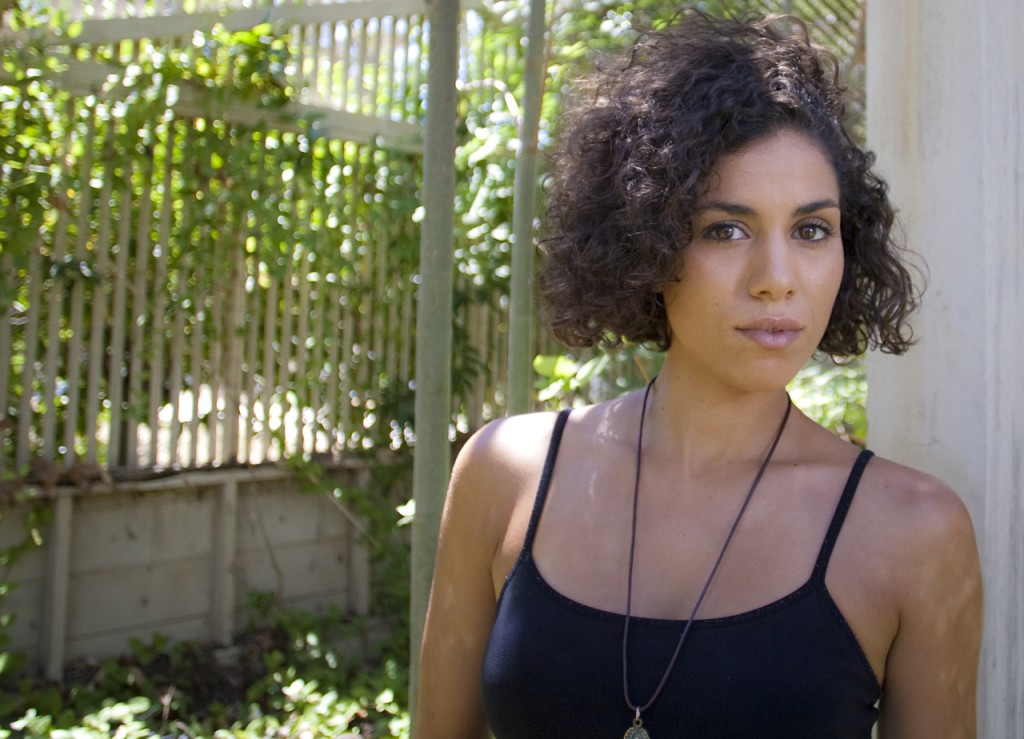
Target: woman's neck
[(696, 426)]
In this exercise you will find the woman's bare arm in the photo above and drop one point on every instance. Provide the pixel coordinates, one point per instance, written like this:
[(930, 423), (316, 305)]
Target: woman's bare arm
[(932, 667), (494, 471)]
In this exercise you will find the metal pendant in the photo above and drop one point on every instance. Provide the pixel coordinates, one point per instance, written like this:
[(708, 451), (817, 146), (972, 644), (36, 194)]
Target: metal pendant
[(636, 731)]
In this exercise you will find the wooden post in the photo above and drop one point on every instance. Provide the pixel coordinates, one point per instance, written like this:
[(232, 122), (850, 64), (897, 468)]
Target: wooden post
[(58, 576), (520, 329), (434, 312), (225, 541), (948, 127)]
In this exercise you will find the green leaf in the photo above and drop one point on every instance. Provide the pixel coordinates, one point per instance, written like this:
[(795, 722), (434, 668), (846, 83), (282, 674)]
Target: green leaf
[(555, 366)]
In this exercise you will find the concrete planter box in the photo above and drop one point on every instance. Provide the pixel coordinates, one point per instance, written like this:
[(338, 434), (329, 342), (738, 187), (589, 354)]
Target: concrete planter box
[(178, 555)]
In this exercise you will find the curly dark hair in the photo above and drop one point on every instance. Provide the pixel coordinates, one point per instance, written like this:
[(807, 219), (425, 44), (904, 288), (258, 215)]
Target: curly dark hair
[(635, 154)]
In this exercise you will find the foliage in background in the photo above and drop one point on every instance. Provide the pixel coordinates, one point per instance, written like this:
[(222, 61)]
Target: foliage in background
[(301, 675), (833, 394)]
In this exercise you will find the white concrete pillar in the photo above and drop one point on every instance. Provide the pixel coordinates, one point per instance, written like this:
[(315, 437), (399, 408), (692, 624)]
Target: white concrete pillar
[(946, 118)]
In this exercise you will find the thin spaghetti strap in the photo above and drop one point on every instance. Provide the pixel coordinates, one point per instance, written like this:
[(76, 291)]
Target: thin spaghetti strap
[(545, 478), (840, 515)]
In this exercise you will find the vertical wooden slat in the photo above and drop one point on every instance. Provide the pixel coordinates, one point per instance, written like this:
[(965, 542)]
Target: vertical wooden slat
[(346, 282), (140, 320), (180, 269), (334, 337), (251, 321), (115, 379), (196, 350), (251, 318), (360, 70), (176, 360), (364, 305), (347, 371), (464, 57), (6, 345), (158, 303), (28, 369), (379, 263), (334, 78), (413, 69), (311, 55), (388, 37), (325, 60), (319, 210), (371, 66), (399, 108), (77, 343), (231, 367), (55, 315), (346, 67), (393, 338), (489, 69), (284, 352), (267, 392), (474, 402), (298, 37), (408, 340), (267, 284), (254, 306), (98, 318), (485, 353), (500, 333), (301, 380), (319, 442), (214, 345)]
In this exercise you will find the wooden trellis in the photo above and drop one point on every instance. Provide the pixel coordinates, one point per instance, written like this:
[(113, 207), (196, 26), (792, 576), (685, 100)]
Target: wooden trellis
[(159, 322)]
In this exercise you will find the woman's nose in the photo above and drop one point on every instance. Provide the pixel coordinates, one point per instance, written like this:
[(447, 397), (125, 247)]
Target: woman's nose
[(771, 271)]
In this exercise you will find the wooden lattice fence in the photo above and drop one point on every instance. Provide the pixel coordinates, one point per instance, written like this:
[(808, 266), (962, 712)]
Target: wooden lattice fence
[(226, 274)]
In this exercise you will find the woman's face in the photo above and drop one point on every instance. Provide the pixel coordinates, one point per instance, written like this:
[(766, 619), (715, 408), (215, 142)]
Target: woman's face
[(762, 271)]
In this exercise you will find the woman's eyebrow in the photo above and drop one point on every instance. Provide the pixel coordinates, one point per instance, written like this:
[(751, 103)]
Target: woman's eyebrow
[(745, 210), (731, 208), (815, 206)]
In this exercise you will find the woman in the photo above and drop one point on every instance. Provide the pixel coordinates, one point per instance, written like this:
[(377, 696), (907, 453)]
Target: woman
[(700, 559)]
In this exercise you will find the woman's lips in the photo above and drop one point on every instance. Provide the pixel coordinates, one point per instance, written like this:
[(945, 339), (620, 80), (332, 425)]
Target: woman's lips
[(772, 333)]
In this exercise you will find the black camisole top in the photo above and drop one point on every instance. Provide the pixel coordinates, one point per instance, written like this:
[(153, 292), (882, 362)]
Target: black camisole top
[(792, 668)]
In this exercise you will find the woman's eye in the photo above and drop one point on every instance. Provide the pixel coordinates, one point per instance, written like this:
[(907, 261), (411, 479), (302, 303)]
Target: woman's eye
[(814, 232), (724, 232)]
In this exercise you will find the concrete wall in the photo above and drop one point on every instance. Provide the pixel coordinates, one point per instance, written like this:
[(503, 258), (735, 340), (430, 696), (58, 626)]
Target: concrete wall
[(178, 556), (946, 117)]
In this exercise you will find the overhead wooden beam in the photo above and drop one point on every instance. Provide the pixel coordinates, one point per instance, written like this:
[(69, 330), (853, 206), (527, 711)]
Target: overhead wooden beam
[(88, 78), (110, 30)]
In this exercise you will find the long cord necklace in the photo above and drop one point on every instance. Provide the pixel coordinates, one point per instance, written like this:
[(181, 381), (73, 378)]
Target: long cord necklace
[(637, 730)]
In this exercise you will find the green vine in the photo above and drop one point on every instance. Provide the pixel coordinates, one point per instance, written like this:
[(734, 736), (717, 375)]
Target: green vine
[(37, 519)]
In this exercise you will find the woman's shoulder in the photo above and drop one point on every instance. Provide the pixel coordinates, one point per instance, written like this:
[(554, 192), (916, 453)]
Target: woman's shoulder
[(519, 444), (507, 445), (917, 520), (918, 500)]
